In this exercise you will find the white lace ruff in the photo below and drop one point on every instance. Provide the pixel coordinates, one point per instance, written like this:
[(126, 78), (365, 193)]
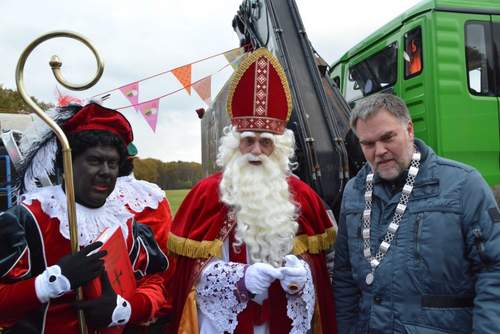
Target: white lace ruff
[(137, 194), (300, 307), (215, 294), (91, 222)]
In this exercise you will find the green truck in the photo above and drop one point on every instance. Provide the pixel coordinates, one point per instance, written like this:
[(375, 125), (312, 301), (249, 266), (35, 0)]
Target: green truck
[(443, 58)]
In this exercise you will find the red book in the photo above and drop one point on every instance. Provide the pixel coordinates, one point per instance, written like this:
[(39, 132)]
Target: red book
[(119, 269)]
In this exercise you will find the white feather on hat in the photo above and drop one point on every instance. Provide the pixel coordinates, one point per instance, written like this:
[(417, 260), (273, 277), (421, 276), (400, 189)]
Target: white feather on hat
[(38, 147)]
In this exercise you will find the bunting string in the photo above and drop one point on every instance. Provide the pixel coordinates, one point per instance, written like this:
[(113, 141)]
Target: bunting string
[(168, 71), (175, 91), (149, 109)]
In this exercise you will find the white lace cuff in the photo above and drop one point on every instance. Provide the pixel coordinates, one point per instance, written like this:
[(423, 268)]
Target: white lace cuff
[(300, 307), (121, 313), (51, 284), (216, 294)]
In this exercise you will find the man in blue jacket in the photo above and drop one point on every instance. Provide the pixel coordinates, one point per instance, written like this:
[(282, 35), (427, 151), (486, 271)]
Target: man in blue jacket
[(418, 248)]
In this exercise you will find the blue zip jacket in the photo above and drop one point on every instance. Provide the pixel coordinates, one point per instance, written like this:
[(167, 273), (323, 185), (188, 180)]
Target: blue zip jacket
[(442, 271)]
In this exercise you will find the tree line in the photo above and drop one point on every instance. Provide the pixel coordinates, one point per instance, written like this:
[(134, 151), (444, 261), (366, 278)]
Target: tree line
[(168, 175), (11, 102)]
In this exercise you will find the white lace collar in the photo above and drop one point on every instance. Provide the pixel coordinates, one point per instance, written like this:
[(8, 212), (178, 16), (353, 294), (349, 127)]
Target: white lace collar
[(137, 194), (91, 222)]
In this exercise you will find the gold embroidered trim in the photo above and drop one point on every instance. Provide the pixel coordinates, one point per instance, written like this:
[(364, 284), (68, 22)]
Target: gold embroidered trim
[(205, 249), (245, 64), (194, 249), (314, 243)]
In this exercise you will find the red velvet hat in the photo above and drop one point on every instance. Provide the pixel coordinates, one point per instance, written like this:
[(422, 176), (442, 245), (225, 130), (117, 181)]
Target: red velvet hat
[(259, 97), (95, 117)]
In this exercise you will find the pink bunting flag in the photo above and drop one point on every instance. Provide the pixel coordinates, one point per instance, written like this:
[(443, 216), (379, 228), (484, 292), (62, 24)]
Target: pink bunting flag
[(204, 89), (183, 74), (131, 92), (149, 110)]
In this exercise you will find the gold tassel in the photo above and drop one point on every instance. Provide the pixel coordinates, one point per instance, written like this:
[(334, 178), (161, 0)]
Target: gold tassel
[(194, 249), (314, 243)]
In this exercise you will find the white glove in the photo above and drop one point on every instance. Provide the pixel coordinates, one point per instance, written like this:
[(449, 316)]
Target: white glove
[(51, 284), (260, 276), (293, 274)]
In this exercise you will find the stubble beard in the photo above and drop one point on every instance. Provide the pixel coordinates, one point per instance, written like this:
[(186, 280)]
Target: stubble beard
[(400, 167)]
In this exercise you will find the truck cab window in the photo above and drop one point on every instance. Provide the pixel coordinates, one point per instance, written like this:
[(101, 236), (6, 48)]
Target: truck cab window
[(413, 53), (337, 81), (479, 56), (496, 38), (373, 74)]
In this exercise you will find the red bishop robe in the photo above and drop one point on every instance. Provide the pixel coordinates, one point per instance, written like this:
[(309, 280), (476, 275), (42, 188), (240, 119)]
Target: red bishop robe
[(198, 232)]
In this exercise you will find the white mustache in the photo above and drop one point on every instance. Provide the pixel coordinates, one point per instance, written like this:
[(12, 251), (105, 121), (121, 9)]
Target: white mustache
[(253, 158)]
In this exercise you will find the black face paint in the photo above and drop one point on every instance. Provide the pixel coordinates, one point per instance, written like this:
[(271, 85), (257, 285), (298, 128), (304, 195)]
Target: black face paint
[(95, 172)]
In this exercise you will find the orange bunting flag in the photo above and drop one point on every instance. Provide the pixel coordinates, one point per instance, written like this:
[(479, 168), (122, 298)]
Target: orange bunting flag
[(131, 92), (204, 89), (183, 74), (234, 57), (149, 110)]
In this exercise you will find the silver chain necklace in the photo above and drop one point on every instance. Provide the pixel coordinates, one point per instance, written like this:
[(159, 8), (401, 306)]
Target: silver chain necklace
[(396, 219)]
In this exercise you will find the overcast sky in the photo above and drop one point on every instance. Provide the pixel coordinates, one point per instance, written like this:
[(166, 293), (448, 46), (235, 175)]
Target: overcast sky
[(137, 39)]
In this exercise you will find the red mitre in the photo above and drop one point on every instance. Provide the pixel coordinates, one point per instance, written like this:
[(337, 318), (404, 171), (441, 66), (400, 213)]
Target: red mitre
[(95, 117), (259, 97)]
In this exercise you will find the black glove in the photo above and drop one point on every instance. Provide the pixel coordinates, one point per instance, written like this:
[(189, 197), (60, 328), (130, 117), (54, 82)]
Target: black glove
[(79, 268), (99, 311)]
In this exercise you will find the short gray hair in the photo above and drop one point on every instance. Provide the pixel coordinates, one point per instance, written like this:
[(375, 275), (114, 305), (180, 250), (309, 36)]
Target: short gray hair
[(374, 103)]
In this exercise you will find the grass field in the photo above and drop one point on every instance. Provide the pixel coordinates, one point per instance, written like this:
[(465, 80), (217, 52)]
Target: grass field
[(175, 198)]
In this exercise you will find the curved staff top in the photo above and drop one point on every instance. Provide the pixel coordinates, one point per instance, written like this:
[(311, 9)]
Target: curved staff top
[(56, 64)]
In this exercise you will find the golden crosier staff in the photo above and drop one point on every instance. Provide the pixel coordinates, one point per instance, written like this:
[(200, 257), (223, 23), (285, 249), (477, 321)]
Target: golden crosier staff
[(56, 64)]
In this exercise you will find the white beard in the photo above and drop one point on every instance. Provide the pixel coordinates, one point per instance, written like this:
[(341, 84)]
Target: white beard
[(263, 207)]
